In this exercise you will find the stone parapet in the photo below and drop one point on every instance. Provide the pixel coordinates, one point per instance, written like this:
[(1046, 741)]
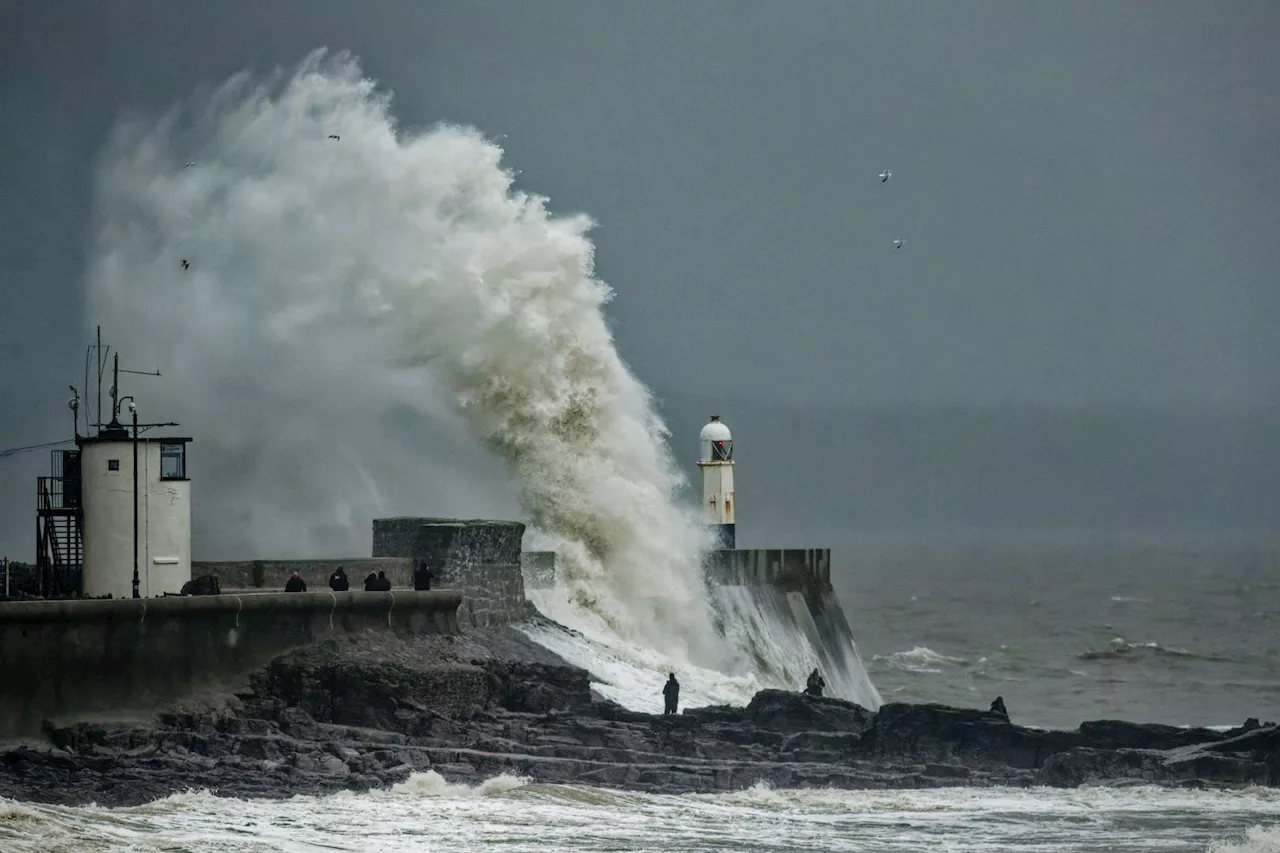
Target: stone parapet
[(479, 557), (272, 574)]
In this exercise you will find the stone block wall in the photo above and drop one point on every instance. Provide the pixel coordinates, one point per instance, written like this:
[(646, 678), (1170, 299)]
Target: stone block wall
[(479, 557), (806, 570), (271, 574)]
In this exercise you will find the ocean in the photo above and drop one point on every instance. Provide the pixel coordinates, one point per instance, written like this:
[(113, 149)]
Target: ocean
[(1180, 635), (427, 814)]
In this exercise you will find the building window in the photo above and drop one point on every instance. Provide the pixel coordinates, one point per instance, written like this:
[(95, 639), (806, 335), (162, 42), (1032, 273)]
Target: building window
[(173, 462), (113, 464)]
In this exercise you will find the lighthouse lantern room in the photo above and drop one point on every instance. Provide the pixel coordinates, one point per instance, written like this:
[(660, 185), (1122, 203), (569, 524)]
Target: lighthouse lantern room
[(715, 462)]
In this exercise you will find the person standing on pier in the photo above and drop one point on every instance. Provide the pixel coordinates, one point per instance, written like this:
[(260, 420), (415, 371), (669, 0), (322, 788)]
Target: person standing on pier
[(671, 695)]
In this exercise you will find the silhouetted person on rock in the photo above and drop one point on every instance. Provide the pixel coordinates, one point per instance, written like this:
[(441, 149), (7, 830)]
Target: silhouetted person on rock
[(295, 583), (816, 684), (422, 576), (670, 695), (384, 583), (998, 707), (371, 583), (338, 580)]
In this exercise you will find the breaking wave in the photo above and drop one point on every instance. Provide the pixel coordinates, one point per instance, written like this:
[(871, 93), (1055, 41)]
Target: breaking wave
[(432, 784), (344, 309), (1257, 839), (428, 812), (1120, 649), (920, 659)]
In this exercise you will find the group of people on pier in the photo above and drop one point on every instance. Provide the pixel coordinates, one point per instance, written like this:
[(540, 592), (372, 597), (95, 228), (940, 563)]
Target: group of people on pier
[(374, 582)]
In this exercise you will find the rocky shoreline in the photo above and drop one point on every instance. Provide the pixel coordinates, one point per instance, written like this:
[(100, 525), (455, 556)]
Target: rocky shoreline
[(354, 714)]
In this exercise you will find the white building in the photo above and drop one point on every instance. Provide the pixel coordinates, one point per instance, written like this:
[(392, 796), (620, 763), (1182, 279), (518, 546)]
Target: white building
[(715, 462), (163, 518)]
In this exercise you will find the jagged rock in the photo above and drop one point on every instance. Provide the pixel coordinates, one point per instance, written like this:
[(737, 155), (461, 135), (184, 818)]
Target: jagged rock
[(353, 715)]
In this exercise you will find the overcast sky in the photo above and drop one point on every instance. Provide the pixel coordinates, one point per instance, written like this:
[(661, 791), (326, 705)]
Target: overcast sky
[(1079, 333)]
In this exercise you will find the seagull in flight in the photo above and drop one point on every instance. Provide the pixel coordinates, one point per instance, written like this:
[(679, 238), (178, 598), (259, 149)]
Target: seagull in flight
[(189, 165), (185, 265), (897, 244), (334, 136), (885, 175)]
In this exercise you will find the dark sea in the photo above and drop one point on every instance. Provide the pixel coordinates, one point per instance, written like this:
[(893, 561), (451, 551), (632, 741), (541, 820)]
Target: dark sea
[(1184, 635)]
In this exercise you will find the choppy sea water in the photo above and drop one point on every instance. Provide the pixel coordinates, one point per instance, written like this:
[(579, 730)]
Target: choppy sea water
[(1185, 637), (427, 814), (1179, 635)]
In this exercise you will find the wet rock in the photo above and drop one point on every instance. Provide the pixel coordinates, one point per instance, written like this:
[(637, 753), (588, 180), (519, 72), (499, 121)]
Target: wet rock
[(353, 715)]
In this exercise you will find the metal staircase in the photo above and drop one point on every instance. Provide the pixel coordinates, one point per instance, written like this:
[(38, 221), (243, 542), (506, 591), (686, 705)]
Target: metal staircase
[(60, 526)]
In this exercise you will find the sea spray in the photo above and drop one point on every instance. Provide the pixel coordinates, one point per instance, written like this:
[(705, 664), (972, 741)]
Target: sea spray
[(342, 270)]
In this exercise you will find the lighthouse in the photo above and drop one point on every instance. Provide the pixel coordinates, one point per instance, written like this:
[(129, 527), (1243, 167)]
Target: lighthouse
[(715, 462)]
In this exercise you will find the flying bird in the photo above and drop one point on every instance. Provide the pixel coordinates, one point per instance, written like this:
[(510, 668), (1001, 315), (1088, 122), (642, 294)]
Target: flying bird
[(885, 175), (185, 265), (189, 165), (897, 244), (334, 136)]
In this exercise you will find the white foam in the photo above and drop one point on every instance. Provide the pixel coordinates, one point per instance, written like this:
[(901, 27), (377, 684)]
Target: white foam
[(920, 659), (432, 784), (355, 308), (1257, 839)]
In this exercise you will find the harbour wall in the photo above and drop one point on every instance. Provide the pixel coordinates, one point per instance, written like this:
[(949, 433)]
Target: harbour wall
[(804, 570), (481, 558), (125, 658), (786, 589), (272, 574)]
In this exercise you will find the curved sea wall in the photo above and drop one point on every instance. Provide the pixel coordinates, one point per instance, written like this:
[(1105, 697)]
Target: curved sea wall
[(128, 657)]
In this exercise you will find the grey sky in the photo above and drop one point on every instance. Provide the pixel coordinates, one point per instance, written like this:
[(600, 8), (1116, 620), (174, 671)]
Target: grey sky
[(1078, 333)]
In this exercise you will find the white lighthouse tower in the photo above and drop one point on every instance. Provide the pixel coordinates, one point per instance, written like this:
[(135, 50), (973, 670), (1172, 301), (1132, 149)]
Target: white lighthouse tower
[(715, 462)]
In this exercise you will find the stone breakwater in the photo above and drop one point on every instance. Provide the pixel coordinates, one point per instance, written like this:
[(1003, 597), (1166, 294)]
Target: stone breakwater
[(361, 712)]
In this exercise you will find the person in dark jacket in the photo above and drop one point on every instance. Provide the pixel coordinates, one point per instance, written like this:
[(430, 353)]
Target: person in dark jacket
[(671, 695), (816, 684), (422, 576), (384, 582), (338, 580), (295, 583), (371, 583), (999, 708)]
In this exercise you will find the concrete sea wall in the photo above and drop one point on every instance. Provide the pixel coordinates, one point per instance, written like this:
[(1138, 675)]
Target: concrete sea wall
[(272, 574), (806, 570), (788, 589), (479, 557), (124, 658)]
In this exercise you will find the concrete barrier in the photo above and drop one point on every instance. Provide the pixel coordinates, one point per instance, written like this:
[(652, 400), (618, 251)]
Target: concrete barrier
[(128, 658), (806, 570), (270, 575)]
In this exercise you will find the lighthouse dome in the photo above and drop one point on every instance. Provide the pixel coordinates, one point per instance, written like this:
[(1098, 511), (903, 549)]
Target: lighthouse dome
[(715, 431), (716, 441)]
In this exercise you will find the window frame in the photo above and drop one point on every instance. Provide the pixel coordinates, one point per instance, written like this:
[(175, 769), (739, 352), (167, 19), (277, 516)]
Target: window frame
[(165, 453)]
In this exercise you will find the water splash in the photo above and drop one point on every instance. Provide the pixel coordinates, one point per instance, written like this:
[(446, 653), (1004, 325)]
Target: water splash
[(356, 308)]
